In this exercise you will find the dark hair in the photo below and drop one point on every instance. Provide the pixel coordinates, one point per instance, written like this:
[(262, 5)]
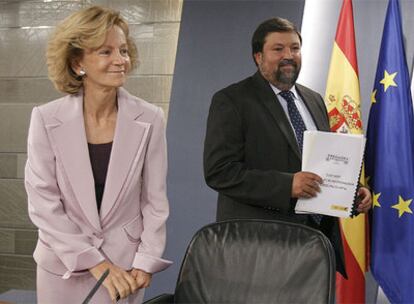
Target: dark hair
[(276, 24)]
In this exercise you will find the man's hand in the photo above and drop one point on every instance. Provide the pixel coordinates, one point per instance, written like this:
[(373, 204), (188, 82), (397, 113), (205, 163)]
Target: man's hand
[(118, 282), (142, 278), (305, 185), (364, 195)]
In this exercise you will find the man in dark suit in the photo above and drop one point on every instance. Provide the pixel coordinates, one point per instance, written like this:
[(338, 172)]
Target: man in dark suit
[(252, 151)]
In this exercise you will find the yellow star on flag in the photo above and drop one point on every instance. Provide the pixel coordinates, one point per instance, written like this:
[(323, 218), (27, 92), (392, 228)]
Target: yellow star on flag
[(373, 100), (402, 206), (375, 202), (388, 80)]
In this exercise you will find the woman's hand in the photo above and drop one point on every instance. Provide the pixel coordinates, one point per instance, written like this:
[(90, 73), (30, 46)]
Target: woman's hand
[(119, 282), (142, 278)]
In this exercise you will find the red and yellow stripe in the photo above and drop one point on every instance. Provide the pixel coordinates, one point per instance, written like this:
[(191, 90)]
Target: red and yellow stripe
[(343, 103)]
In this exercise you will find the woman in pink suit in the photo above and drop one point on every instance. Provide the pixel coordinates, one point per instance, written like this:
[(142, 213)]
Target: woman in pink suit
[(96, 169)]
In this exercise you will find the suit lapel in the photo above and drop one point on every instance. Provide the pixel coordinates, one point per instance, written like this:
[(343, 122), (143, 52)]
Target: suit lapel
[(71, 143), (128, 145), (269, 99), (317, 113)]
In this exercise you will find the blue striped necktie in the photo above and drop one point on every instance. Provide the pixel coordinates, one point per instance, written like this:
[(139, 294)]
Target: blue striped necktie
[(299, 127)]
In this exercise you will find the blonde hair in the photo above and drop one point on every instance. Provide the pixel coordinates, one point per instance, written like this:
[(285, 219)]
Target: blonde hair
[(84, 29)]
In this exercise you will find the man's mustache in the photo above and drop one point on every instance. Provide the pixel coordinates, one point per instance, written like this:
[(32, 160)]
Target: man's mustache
[(285, 62)]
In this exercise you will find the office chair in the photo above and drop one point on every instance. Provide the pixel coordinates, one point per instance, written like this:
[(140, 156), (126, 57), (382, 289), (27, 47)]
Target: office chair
[(255, 261)]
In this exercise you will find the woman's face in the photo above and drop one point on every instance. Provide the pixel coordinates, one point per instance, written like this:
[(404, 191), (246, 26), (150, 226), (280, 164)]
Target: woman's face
[(107, 66)]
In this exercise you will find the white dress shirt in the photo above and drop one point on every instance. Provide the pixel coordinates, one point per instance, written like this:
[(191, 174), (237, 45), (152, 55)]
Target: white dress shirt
[(303, 110)]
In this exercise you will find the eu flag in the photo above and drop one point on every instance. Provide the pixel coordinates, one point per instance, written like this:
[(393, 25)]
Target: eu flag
[(390, 166)]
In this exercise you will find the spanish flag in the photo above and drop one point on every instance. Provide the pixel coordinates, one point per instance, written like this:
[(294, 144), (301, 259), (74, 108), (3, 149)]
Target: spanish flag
[(342, 99)]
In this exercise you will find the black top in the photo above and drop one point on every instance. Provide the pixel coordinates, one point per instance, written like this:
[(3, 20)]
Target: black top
[(99, 155)]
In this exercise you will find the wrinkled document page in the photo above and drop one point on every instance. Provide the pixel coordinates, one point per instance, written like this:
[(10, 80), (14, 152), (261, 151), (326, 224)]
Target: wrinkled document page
[(337, 159)]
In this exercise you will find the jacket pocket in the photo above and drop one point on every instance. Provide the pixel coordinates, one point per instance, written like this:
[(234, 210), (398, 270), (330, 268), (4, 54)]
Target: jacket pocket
[(133, 229)]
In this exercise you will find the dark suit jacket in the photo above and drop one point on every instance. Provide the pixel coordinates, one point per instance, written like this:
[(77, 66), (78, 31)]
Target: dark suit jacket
[(251, 154)]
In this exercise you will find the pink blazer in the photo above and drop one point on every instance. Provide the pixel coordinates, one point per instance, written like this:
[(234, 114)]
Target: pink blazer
[(130, 228)]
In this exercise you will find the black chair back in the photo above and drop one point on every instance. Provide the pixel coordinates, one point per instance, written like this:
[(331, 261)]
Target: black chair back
[(257, 261)]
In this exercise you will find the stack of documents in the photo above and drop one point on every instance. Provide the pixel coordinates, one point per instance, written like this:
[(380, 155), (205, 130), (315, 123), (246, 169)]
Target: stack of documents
[(337, 159)]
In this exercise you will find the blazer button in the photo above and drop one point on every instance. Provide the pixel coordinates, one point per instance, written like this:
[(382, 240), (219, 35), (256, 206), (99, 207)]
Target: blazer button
[(97, 242), (99, 235)]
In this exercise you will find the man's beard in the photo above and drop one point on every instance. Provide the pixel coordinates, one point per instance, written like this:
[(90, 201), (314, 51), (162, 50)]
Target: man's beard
[(288, 78)]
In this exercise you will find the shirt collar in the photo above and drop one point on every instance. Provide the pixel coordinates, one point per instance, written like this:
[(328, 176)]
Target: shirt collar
[(277, 91)]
